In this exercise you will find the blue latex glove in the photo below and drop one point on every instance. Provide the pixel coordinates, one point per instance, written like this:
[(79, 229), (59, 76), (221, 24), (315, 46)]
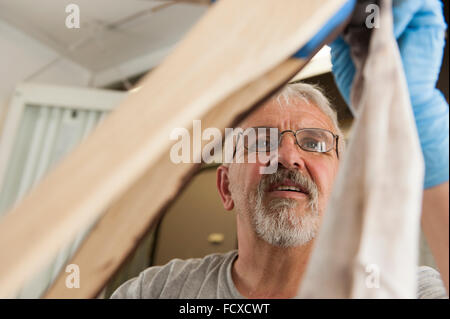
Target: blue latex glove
[(419, 28)]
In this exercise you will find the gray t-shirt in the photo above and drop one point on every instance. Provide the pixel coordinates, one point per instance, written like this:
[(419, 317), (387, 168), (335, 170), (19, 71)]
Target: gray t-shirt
[(210, 277)]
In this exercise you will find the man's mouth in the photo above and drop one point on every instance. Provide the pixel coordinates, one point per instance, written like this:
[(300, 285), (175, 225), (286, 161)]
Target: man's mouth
[(288, 186)]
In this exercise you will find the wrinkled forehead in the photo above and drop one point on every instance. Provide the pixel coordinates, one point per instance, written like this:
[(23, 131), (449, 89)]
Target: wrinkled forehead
[(293, 116)]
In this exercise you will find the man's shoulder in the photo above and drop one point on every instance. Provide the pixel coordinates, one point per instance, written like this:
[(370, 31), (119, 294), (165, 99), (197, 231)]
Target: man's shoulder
[(164, 280), (181, 265), (430, 284)]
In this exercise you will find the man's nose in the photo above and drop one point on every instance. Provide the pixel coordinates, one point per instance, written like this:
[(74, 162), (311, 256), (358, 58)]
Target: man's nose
[(289, 153)]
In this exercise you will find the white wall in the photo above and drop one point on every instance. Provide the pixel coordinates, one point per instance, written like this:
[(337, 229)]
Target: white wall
[(21, 56)]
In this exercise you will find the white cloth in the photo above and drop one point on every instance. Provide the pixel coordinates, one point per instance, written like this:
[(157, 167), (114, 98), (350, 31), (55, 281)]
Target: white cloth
[(368, 243)]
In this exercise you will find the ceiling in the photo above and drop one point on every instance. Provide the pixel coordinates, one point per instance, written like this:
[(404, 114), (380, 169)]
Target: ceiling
[(111, 33), (117, 39)]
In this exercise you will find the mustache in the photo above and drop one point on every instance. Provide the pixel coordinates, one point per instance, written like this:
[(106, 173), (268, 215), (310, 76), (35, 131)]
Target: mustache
[(283, 174)]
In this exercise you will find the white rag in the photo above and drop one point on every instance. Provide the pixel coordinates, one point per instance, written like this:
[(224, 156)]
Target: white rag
[(368, 243)]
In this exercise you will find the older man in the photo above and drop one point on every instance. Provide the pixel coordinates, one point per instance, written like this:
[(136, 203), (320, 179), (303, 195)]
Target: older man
[(278, 215)]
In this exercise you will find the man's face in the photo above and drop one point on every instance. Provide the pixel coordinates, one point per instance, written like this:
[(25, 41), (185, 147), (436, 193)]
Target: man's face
[(280, 216)]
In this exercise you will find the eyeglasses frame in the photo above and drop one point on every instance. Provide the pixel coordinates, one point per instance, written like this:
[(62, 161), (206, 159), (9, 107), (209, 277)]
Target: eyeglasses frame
[(280, 136)]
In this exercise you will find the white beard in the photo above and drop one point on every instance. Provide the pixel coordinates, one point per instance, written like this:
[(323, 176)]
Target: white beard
[(277, 222)]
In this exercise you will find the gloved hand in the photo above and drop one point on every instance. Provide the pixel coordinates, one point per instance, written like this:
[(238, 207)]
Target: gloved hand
[(419, 28)]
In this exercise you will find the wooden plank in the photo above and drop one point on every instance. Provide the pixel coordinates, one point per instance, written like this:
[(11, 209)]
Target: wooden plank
[(131, 216), (233, 44)]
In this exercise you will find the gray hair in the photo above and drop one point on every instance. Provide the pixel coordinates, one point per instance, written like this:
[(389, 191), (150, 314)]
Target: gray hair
[(311, 94)]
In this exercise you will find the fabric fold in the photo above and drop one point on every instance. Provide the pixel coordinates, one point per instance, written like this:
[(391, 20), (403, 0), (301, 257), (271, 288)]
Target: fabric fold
[(368, 242)]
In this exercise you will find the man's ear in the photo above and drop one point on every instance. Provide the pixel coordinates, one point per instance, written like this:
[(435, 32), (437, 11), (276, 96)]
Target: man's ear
[(223, 184)]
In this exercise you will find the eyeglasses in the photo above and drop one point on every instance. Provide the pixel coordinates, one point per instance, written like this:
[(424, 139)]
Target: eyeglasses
[(308, 139)]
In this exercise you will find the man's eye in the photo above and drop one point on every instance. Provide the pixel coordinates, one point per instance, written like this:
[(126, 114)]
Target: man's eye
[(313, 145), (264, 144), (253, 146)]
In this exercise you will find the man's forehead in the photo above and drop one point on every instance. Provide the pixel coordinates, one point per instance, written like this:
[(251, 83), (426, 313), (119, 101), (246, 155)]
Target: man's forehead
[(297, 114)]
